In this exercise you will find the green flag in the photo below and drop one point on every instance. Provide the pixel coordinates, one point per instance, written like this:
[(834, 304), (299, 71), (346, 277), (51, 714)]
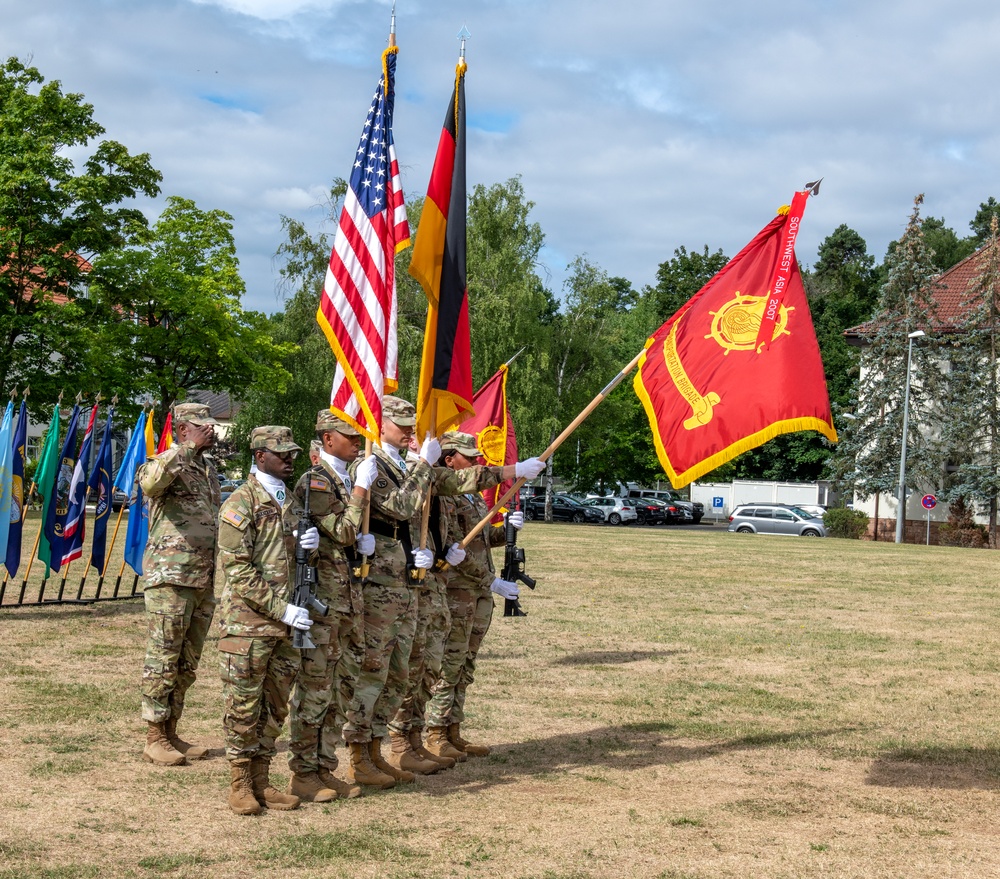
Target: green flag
[(45, 482)]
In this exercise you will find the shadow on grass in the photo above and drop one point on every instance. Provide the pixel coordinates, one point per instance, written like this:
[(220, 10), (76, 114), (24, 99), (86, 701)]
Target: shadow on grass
[(613, 657), (130, 606), (618, 748), (938, 767)]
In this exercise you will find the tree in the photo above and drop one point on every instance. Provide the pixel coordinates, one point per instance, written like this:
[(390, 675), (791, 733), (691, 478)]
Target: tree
[(946, 247), (308, 360), (870, 446), (51, 215), (176, 319), (971, 416), (678, 279), (981, 224)]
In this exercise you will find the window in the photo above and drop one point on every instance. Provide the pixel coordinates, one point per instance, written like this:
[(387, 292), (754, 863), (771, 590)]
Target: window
[(763, 513), (784, 515)]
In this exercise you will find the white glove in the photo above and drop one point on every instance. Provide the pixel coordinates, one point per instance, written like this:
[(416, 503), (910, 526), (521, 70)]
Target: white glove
[(365, 544), (529, 468), (309, 539), (296, 617), (504, 588), (516, 519), (455, 555), (430, 451), (423, 558), (365, 473)]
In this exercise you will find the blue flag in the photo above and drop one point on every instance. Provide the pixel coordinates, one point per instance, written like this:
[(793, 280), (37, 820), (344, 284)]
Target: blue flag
[(76, 513), (55, 519), (138, 516), (100, 488), (12, 559), (6, 453)]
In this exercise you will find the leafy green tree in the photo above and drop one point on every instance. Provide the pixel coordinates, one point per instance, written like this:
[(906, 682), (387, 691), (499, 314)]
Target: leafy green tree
[(870, 445), (946, 247), (52, 213), (177, 320), (971, 403), (981, 224), (678, 279)]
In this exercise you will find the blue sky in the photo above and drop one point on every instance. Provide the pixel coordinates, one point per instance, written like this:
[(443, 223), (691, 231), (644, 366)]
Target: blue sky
[(636, 127)]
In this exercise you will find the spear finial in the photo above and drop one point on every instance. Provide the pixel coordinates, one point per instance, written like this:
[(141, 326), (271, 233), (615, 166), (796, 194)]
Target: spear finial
[(114, 400), (392, 25), (79, 397), (463, 35), (60, 398), (813, 188), (13, 394), (27, 390)]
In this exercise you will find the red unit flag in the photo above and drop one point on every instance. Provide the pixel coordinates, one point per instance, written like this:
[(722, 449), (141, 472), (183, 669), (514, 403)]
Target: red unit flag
[(494, 431), (738, 364)]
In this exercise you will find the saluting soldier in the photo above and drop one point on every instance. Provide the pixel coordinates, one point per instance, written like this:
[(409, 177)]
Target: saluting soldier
[(184, 497), (256, 577), (470, 587), (336, 505)]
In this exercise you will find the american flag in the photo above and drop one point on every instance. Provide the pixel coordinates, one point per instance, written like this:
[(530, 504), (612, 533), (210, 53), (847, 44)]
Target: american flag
[(357, 310)]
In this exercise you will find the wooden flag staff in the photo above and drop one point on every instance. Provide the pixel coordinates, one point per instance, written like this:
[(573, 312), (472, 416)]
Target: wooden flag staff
[(558, 441)]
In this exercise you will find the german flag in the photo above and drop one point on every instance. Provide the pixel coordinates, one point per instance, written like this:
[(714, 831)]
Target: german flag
[(438, 263)]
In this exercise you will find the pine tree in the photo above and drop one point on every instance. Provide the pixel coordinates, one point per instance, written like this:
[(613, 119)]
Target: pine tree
[(971, 419), (870, 446)]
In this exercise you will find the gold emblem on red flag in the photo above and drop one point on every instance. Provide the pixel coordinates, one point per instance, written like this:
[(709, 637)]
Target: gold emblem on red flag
[(737, 323), (493, 444)]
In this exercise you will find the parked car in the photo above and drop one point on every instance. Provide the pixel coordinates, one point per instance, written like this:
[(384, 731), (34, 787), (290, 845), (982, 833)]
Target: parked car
[(775, 519), (616, 510), (118, 499), (229, 486), (564, 509), (697, 510), (816, 510), (649, 512), (674, 513)]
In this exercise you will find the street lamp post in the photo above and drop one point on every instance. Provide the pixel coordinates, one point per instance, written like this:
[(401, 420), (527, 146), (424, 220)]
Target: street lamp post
[(901, 505)]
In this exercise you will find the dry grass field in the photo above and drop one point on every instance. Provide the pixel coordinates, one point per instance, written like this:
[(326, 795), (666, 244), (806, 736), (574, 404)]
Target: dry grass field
[(678, 704)]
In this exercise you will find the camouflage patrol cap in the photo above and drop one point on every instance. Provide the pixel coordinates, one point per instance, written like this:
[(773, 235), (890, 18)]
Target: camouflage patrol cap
[(465, 443), (398, 411), (192, 413), (326, 420), (274, 438)]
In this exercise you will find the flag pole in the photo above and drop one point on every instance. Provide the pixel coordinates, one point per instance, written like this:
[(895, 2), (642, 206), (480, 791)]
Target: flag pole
[(366, 516), (114, 537), (519, 353), (62, 582), (558, 441)]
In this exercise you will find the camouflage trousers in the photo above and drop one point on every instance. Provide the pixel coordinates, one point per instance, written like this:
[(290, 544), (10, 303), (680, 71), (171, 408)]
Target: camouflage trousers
[(323, 686), (433, 625), (257, 676), (389, 627), (178, 619), (471, 614)]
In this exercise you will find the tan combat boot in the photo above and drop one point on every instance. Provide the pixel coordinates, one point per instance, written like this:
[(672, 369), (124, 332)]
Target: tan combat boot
[(269, 797), (309, 788), (417, 744), (455, 737), (439, 746), (363, 771), (158, 749), (344, 790), (192, 752), (402, 756), (375, 750), (241, 798)]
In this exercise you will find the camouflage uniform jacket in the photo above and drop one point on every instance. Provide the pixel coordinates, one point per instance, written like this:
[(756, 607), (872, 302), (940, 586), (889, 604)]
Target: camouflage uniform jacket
[(337, 514), (396, 498), (449, 483), (463, 514), (256, 568), (184, 499)]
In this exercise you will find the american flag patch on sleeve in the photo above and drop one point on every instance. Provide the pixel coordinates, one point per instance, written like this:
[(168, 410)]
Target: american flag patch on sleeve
[(317, 483), (237, 520)]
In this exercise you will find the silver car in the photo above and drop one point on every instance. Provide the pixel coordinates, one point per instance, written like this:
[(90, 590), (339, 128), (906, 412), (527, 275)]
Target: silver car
[(775, 519)]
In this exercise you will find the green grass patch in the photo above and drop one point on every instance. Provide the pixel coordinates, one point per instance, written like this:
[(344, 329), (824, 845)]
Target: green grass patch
[(372, 841)]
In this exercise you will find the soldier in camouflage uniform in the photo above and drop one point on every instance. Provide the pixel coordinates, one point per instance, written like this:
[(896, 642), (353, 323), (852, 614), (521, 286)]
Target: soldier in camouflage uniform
[(470, 585), (433, 616), (390, 604), (336, 504), (183, 491), (256, 578)]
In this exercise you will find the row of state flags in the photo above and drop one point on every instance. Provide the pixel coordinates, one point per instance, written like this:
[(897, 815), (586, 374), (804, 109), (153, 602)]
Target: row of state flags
[(736, 366), (66, 484)]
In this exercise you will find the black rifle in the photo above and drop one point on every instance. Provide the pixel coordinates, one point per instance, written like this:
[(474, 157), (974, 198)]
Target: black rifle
[(513, 569), (305, 581)]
